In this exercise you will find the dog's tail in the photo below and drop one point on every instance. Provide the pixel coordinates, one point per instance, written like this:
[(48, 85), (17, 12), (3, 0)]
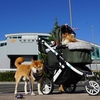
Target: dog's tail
[(18, 61)]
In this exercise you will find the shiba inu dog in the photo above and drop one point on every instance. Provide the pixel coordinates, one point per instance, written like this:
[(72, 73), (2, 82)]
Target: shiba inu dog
[(27, 72), (67, 38)]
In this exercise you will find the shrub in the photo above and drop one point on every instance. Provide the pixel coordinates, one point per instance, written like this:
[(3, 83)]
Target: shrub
[(7, 76)]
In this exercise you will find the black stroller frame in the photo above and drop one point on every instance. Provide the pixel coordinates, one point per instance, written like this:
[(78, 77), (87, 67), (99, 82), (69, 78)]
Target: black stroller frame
[(62, 63), (67, 74)]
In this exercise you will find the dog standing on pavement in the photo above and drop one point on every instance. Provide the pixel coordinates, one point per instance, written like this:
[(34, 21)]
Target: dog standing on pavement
[(27, 72)]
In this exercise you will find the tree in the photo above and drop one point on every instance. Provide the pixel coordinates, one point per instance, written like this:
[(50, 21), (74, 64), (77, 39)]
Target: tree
[(53, 32)]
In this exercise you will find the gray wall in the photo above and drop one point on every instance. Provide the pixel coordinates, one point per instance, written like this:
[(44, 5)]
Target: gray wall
[(20, 46), (4, 60)]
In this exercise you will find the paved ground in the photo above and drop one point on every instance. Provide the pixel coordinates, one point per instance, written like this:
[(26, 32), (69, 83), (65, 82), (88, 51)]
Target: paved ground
[(79, 94), (54, 96)]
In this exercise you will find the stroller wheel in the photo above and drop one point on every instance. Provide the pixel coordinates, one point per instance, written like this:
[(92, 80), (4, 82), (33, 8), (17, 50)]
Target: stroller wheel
[(92, 88), (47, 86), (70, 89)]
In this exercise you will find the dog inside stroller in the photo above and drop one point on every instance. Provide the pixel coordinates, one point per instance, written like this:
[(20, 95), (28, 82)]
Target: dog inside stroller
[(66, 65)]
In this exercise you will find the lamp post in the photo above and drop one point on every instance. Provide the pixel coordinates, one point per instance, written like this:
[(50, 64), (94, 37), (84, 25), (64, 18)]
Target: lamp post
[(95, 55), (70, 11), (92, 29)]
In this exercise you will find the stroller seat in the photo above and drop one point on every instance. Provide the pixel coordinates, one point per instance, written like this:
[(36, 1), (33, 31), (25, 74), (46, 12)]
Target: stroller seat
[(74, 53)]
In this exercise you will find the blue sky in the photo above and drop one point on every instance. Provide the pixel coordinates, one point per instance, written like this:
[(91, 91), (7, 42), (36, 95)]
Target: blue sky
[(39, 16)]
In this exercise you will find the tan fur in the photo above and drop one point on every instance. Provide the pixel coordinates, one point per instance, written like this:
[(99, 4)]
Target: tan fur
[(67, 38), (61, 89), (26, 71)]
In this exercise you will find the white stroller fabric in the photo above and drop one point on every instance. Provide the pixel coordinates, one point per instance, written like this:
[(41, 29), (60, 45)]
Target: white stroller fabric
[(79, 45), (76, 46)]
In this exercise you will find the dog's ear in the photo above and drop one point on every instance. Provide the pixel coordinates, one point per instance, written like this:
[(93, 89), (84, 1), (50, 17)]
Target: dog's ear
[(63, 35)]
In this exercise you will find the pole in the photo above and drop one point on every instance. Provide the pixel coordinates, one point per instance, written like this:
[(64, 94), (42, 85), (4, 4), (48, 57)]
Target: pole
[(92, 29), (95, 55), (70, 11)]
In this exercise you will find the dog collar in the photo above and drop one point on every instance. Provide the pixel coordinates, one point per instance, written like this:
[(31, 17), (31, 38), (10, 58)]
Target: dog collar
[(37, 76)]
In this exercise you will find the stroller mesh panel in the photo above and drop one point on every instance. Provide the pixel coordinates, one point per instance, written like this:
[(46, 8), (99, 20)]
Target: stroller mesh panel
[(71, 56)]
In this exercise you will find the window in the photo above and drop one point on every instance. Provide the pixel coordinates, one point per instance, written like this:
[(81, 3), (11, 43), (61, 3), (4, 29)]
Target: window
[(95, 53), (45, 37), (3, 44), (14, 37), (98, 52), (10, 37), (19, 37)]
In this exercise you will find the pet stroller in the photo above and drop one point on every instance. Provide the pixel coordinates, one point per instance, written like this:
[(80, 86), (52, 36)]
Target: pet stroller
[(66, 65)]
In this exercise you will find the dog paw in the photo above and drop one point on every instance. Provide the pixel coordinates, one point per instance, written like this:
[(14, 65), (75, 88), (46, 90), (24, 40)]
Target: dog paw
[(40, 93), (26, 93), (15, 92), (33, 94)]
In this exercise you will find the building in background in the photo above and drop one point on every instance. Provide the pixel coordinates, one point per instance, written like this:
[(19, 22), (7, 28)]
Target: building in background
[(22, 44), (25, 44)]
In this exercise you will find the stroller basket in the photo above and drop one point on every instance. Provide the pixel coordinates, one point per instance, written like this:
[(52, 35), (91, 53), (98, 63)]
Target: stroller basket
[(74, 53)]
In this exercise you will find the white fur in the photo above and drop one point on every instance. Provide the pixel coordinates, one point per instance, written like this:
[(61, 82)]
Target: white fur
[(65, 42), (34, 70)]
